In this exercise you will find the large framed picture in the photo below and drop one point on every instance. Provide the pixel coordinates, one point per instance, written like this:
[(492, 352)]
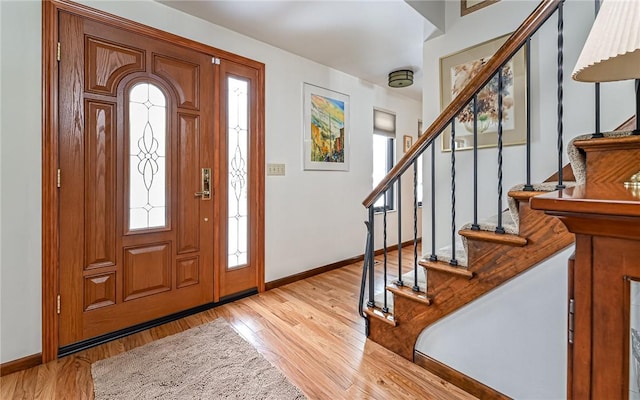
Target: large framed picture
[(326, 129), (469, 6), (456, 70)]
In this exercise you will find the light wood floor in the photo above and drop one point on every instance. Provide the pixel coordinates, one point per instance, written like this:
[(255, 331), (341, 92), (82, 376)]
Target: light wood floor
[(309, 329)]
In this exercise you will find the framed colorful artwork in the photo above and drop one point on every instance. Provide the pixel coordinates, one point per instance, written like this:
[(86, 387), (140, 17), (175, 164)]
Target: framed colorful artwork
[(456, 70), (326, 129)]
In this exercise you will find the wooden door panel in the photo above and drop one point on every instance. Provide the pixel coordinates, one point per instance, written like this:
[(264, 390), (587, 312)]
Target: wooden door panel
[(187, 272), (96, 322), (183, 76), (146, 270), (113, 276), (100, 184), (71, 164), (107, 63), (189, 176), (99, 291)]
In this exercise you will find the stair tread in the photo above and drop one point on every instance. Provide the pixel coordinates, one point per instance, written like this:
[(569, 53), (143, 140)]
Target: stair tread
[(377, 313), (525, 194), (493, 237), (444, 253), (409, 293), (446, 267), (622, 140), (490, 224)]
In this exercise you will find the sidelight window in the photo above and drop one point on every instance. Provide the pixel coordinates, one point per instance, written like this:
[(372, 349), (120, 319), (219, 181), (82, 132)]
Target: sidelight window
[(238, 148)]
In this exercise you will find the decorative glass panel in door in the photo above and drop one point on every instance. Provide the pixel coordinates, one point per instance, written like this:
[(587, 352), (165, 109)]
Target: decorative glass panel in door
[(237, 144), (147, 157)]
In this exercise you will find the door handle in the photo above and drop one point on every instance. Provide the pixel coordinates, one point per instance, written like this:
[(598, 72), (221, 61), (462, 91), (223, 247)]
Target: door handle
[(205, 190)]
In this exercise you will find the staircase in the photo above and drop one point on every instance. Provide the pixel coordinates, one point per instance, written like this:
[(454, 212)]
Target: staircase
[(482, 255)]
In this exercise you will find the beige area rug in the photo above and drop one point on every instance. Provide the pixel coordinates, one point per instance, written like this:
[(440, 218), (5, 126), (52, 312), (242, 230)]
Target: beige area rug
[(206, 362)]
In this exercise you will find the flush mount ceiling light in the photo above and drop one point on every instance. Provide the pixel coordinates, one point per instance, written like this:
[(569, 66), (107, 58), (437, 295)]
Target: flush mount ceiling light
[(401, 78)]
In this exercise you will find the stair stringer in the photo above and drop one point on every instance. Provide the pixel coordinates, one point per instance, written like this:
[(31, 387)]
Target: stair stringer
[(492, 264)]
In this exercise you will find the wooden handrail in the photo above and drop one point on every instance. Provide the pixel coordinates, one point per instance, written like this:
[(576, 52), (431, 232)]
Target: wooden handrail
[(504, 54)]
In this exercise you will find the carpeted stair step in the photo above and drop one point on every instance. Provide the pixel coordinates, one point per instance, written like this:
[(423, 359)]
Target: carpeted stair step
[(443, 254), (490, 224), (492, 237), (578, 158), (408, 292), (386, 317), (487, 227), (517, 194), (408, 283)]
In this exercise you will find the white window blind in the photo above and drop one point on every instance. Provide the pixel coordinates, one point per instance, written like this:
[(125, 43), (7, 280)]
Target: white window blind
[(384, 123)]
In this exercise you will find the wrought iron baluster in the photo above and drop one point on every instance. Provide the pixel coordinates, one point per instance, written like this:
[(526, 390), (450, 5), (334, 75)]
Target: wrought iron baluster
[(416, 288), (365, 270), (500, 228), (560, 185), (453, 260), (433, 256), (385, 308), (371, 302), (527, 46), (399, 282), (474, 225), (598, 133)]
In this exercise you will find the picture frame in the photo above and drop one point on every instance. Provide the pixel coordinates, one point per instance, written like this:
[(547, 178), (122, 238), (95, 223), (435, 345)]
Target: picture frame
[(457, 69), (407, 142), (469, 6), (326, 129)]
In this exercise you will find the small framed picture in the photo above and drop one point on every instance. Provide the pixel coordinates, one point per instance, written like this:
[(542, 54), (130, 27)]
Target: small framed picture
[(406, 143)]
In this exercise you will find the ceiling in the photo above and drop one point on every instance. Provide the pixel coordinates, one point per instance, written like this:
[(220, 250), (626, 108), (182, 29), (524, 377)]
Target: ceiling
[(364, 38)]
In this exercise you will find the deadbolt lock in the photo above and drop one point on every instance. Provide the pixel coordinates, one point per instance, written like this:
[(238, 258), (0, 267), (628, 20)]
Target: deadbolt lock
[(205, 193)]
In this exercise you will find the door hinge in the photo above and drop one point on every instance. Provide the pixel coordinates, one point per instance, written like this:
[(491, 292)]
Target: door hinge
[(58, 178), (58, 304), (215, 60), (58, 52), (571, 321)]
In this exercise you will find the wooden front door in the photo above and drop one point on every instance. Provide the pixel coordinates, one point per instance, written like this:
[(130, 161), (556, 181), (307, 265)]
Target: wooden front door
[(141, 215)]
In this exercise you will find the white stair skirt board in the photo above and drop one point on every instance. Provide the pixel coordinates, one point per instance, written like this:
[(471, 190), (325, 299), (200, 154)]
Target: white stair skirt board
[(484, 339), (407, 280)]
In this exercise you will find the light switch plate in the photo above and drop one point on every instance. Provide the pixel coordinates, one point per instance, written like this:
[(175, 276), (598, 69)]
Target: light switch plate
[(275, 169)]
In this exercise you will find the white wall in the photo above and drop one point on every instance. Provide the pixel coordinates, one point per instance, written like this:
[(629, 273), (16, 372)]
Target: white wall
[(20, 194), (514, 339), (313, 218)]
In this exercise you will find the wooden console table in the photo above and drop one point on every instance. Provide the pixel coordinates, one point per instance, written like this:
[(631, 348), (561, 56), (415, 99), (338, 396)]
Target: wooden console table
[(603, 275)]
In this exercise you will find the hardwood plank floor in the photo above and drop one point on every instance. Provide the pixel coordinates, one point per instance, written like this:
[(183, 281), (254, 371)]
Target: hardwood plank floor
[(309, 329)]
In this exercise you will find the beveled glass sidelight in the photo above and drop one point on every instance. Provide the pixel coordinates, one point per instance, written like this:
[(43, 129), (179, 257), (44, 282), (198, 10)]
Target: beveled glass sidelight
[(238, 148), (147, 157)]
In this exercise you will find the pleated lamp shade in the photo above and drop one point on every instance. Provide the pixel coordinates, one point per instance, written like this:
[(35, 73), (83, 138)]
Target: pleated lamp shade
[(612, 50)]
